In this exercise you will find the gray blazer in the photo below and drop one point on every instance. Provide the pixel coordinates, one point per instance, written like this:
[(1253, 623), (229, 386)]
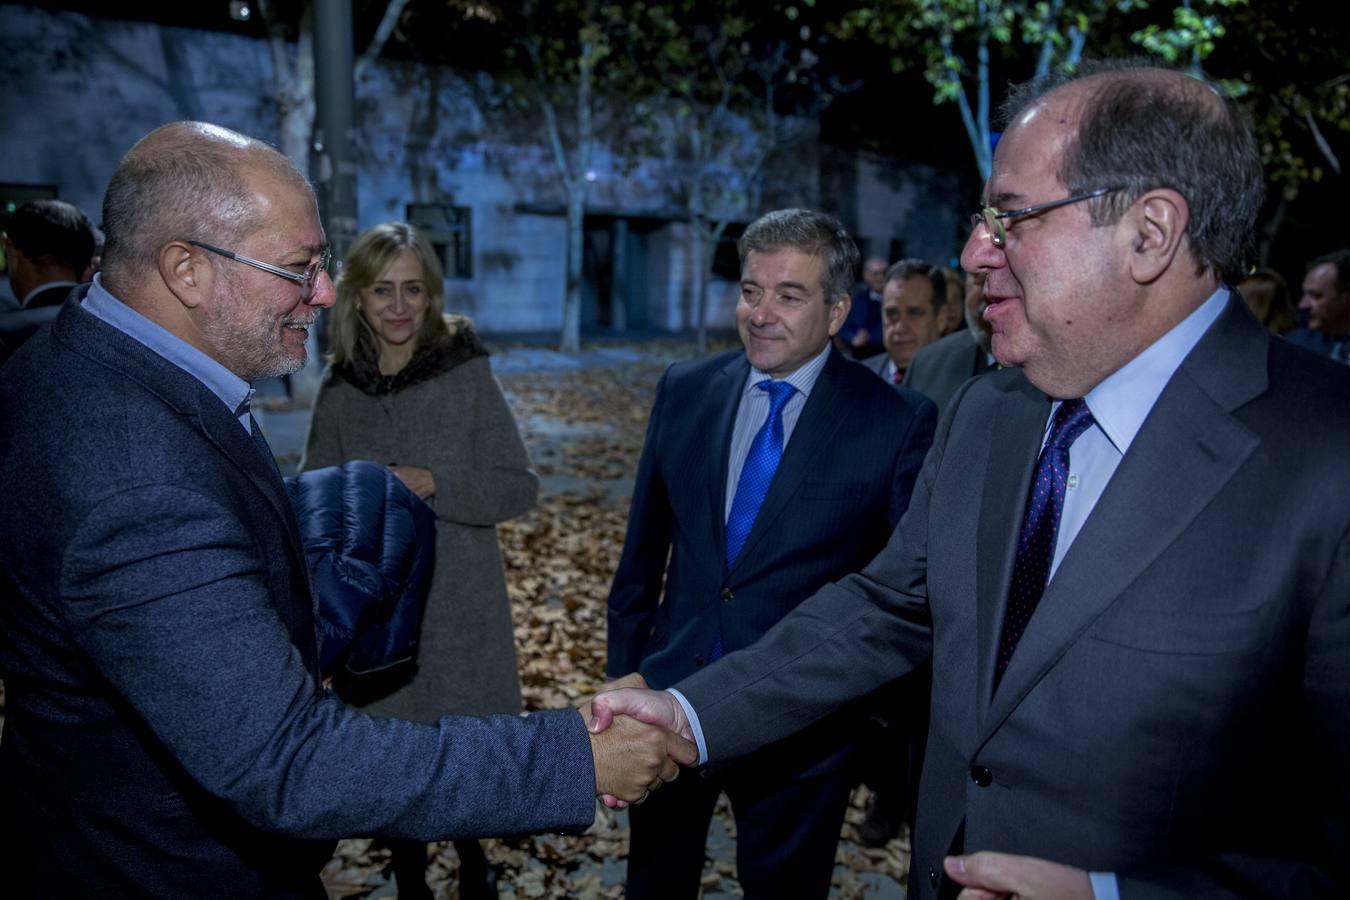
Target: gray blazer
[(167, 733), (1178, 710), (938, 370)]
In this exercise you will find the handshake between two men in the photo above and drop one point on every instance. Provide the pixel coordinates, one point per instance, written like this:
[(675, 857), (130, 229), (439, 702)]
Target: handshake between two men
[(639, 739)]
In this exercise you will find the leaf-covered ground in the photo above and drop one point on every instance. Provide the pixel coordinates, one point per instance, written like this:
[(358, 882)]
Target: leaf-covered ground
[(584, 429)]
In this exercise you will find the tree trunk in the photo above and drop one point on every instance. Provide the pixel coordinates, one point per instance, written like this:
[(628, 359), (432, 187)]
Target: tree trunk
[(700, 267), (618, 282), (1268, 233), (576, 235)]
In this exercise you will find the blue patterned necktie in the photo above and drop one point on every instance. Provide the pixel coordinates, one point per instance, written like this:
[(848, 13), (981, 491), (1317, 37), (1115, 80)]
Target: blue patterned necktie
[(1040, 527), (766, 450), (757, 473)]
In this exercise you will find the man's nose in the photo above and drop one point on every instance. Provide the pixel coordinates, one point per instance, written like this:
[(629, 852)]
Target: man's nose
[(980, 254), (325, 295)]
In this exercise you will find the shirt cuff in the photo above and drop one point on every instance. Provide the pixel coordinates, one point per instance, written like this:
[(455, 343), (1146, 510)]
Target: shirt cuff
[(1104, 885), (697, 729)]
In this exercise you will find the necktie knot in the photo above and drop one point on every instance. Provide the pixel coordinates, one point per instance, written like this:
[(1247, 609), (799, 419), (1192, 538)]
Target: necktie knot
[(1071, 419), (780, 392)]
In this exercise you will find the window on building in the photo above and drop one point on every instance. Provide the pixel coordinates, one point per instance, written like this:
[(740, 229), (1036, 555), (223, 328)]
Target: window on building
[(449, 228)]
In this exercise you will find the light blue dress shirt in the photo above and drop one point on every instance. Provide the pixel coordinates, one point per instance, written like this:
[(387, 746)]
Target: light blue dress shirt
[(1119, 406), (754, 409), (233, 391)]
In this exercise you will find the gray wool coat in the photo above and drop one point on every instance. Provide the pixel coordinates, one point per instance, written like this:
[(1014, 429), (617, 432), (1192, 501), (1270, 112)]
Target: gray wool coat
[(458, 425)]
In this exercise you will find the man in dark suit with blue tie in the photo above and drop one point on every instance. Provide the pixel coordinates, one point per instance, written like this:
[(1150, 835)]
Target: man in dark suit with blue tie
[(167, 733), (765, 474)]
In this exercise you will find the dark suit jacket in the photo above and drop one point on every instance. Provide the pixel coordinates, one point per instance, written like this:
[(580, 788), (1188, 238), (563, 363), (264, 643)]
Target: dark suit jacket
[(938, 370), (1178, 709), (166, 733), (844, 480), (877, 364), (18, 325)]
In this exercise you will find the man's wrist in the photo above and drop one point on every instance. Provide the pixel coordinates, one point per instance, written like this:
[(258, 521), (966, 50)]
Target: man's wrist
[(692, 718)]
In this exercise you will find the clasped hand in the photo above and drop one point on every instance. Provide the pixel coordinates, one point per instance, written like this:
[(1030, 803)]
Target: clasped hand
[(634, 754)]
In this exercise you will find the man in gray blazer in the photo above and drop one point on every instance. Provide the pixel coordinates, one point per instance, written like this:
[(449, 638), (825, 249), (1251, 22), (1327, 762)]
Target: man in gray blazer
[(167, 733), (1128, 558)]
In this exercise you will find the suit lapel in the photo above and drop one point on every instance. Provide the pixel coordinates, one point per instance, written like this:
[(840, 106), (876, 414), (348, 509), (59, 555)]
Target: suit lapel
[(1188, 448), (223, 430), (88, 335), (1015, 442), (815, 427), (724, 399)]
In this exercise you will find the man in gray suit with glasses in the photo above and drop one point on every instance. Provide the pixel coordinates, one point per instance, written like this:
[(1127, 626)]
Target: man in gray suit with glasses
[(1127, 555)]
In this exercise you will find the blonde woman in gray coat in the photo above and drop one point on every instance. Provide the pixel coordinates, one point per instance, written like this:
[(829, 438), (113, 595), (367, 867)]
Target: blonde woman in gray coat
[(411, 388)]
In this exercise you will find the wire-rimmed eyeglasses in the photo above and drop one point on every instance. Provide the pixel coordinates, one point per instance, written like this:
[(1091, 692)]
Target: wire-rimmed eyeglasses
[(993, 220), (305, 279)]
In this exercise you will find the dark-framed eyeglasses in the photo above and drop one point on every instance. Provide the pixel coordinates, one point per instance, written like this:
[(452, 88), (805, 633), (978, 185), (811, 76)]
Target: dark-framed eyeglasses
[(305, 279), (993, 220)]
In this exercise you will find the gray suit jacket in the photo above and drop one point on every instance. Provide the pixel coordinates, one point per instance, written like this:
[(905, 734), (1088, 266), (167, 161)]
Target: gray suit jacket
[(876, 363), (167, 734), (938, 370), (1178, 709)]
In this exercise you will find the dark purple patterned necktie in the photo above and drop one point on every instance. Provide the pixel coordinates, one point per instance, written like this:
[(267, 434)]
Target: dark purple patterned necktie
[(1040, 527)]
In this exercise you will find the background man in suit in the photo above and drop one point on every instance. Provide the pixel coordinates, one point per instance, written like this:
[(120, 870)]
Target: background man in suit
[(748, 536), (1326, 301), (860, 335), (49, 248), (167, 732), (938, 370), (911, 306), (1171, 709)]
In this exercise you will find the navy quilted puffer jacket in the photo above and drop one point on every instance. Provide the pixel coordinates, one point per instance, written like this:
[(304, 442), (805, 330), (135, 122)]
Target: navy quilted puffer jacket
[(371, 543)]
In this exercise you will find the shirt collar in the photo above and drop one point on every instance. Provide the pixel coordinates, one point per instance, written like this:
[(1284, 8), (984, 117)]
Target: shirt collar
[(803, 379), (233, 391), (1124, 399)]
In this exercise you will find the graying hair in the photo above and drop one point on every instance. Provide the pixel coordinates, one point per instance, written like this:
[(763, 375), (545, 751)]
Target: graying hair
[(184, 180), (811, 232)]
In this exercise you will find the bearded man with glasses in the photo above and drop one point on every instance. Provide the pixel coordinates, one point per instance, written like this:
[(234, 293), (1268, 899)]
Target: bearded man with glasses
[(1127, 554), (168, 733)]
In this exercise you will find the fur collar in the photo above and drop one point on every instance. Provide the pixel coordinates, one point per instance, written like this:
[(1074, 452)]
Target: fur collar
[(460, 345)]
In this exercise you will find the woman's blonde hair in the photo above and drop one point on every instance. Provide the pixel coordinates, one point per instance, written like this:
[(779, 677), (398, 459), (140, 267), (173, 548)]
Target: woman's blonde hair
[(370, 254)]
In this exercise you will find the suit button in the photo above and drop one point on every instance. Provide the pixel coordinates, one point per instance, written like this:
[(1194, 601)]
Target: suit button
[(981, 776), (726, 594), (932, 876), (699, 660)]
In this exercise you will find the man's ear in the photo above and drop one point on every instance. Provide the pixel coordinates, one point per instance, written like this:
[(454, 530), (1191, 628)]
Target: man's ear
[(839, 312), (187, 274), (1157, 231)]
